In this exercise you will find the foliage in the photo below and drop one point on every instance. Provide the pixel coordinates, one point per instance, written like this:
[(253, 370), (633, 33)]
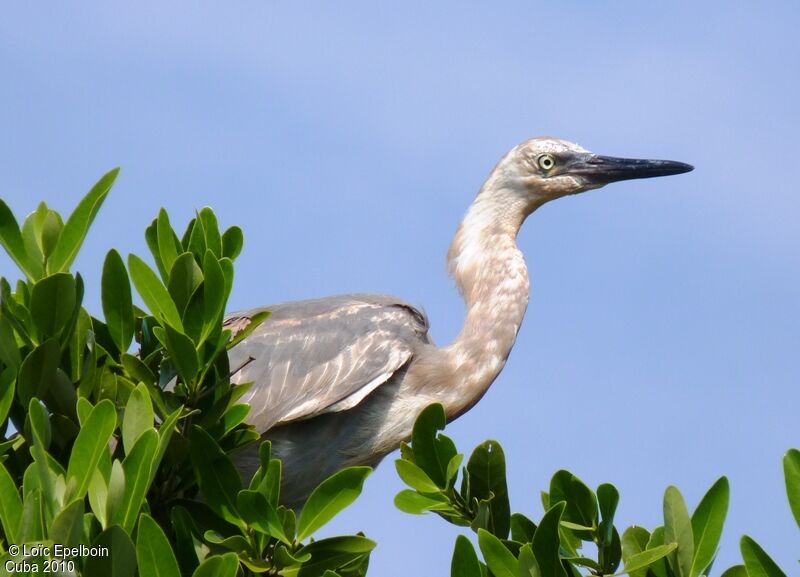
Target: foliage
[(513, 545), (131, 451)]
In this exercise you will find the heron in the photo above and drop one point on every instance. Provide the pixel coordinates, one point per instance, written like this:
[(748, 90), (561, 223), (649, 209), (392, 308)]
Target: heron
[(339, 381)]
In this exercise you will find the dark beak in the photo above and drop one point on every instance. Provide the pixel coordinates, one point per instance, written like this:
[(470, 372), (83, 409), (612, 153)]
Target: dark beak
[(600, 170)]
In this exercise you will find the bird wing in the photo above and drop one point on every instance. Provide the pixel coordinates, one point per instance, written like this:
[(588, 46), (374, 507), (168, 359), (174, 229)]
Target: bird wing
[(317, 356)]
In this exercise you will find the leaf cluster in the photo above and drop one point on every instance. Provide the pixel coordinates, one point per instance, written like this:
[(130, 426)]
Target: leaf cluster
[(576, 518), (105, 446)]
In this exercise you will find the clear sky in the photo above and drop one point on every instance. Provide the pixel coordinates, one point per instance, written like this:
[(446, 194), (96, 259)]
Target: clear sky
[(662, 341)]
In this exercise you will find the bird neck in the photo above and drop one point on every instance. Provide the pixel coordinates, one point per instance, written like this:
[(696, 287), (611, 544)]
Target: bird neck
[(490, 273)]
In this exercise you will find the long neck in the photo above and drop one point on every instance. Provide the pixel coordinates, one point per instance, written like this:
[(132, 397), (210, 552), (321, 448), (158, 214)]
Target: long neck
[(490, 272)]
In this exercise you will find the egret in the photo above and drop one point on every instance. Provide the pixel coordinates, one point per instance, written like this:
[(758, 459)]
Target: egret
[(339, 381)]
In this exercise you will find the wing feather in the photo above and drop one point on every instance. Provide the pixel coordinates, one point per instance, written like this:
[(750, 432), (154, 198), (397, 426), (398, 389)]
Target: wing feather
[(323, 355)]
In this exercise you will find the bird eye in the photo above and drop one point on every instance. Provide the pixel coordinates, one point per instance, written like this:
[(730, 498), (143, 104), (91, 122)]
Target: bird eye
[(546, 161)]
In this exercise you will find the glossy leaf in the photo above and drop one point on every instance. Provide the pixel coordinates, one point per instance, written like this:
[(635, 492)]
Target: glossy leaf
[(678, 529), (500, 560), (465, 560), (634, 541), (52, 303), (37, 371), (11, 241), (735, 571), (647, 557), (707, 522), (211, 230), (9, 352), (184, 278), (91, 442), (218, 479), (260, 514), (214, 294), (487, 474), (415, 477), (117, 301), (153, 551), (10, 505), (329, 498), (791, 472), (581, 503), (232, 242), (78, 223), (168, 244), (7, 388), (153, 292), (137, 468), (608, 499), (546, 542), (138, 416), (122, 559), (413, 503), (225, 565), (756, 560), (67, 527)]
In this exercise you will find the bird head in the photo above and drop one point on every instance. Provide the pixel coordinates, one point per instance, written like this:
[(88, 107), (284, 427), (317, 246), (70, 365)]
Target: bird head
[(543, 169)]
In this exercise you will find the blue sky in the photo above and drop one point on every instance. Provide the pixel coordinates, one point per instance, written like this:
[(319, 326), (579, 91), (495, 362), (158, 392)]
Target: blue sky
[(661, 342)]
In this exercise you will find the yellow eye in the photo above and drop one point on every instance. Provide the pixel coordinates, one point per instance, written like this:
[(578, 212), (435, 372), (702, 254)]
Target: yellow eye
[(546, 161)]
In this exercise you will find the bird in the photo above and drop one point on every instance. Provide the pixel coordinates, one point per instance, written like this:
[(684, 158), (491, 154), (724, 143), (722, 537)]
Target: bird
[(339, 381)]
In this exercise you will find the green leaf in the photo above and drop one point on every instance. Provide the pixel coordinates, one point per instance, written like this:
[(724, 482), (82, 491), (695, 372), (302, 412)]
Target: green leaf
[(11, 241), (214, 295), (168, 244), (487, 474), (465, 560), (67, 527), (634, 541), (791, 472), (122, 559), (117, 300), (254, 322), (678, 529), (415, 477), (9, 351), (218, 479), (37, 371), (528, 566), (32, 525), (707, 522), (211, 230), (153, 551), (581, 503), (522, 528), (329, 498), (735, 571), (756, 560), (78, 223), (413, 503), (7, 388), (232, 242), (184, 278), (225, 565), (500, 560), (137, 467), (546, 542), (425, 444), (648, 557), (153, 292), (39, 420), (608, 498), (52, 303), (182, 352), (10, 505), (92, 441), (259, 514), (138, 417)]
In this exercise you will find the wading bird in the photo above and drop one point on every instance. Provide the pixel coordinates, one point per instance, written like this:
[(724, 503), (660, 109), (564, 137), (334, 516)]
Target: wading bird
[(339, 381)]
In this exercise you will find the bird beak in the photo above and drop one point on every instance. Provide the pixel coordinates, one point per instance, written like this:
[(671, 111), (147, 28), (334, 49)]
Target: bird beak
[(599, 170)]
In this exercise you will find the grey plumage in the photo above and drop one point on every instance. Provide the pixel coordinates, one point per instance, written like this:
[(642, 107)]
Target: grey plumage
[(339, 381)]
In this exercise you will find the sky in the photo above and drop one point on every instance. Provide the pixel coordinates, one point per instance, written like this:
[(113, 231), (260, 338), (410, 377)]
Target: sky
[(347, 140)]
